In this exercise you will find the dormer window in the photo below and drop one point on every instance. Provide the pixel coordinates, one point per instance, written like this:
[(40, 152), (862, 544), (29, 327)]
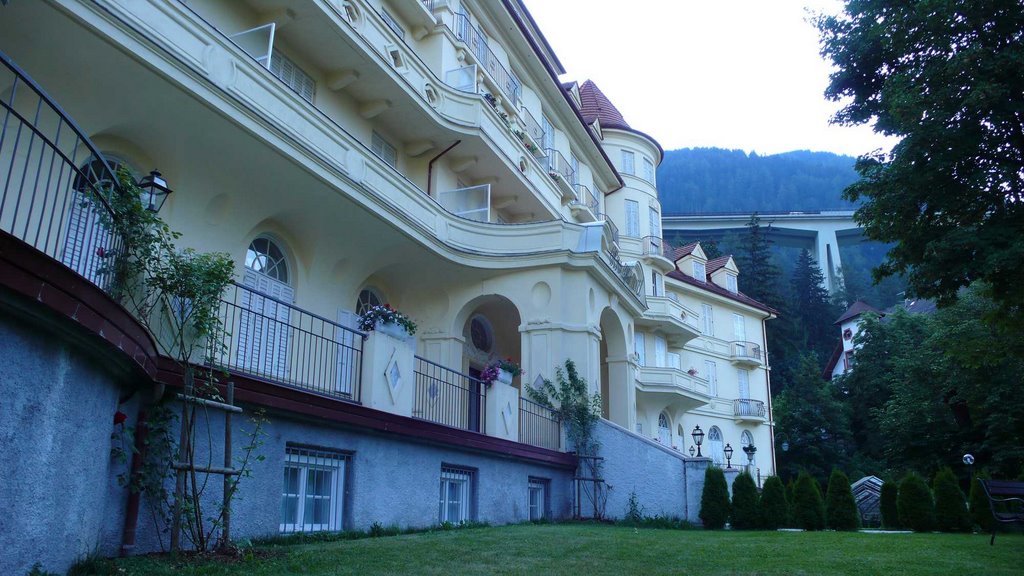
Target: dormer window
[(699, 271), (730, 283)]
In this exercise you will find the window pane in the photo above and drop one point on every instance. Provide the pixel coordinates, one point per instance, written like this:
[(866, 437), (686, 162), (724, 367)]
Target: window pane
[(290, 510)]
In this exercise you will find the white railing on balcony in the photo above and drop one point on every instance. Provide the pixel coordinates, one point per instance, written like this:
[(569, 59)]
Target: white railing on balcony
[(746, 408), (473, 202)]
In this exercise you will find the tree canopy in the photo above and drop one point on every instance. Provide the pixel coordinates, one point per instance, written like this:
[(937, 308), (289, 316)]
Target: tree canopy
[(946, 77)]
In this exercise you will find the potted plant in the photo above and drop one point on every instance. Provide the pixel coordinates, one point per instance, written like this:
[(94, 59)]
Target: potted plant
[(489, 374), (692, 371), (388, 321), (508, 369)]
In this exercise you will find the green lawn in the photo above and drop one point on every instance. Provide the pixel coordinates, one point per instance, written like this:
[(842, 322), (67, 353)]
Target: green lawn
[(592, 550)]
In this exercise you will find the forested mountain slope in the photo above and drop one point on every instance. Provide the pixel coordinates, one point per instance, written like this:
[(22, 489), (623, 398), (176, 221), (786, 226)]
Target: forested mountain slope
[(718, 180)]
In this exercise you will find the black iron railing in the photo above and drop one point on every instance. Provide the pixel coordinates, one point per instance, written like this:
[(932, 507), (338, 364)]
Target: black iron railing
[(656, 246), (448, 397), (55, 186), (747, 351), (271, 339), (538, 425), (557, 163), (533, 128), (749, 408), (631, 275), (485, 57), (586, 198)]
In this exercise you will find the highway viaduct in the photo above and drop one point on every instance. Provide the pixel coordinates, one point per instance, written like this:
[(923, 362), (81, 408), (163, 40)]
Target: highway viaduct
[(819, 231)]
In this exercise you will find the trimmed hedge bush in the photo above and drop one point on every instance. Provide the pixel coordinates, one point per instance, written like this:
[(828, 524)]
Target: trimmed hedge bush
[(840, 507), (888, 506), (772, 507), (744, 502), (714, 499), (808, 509), (981, 513), (916, 509), (950, 508)]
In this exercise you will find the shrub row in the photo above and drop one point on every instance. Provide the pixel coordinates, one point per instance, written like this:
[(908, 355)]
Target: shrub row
[(910, 504)]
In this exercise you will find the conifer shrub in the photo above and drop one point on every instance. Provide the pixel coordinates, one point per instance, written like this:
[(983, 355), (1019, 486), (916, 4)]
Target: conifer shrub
[(981, 513), (789, 502), (950, 508), (840, 507), (714, 499), (772, 507), (888, 506), (744, 502), (808, 508), (916, 509)]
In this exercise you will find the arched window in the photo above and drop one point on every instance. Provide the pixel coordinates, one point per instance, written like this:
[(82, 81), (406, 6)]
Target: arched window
[(87, 244), (265, 257), (664, 430), (481, 333), (264, 330), (368, 298), (716, 448), (747, 439)]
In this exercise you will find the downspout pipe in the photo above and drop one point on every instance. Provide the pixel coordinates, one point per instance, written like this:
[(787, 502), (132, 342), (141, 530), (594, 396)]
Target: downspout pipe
[(131, 515), (430, 165), (768, 390)]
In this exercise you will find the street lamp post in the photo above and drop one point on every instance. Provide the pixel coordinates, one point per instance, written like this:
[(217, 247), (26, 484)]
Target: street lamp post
[(728, 456), (698, 439)]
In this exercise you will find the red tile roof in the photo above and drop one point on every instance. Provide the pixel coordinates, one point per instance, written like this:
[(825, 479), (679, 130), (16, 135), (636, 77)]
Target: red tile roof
[(717, 263), (715, 288), (597, 106), (683, 251), (856, 309)]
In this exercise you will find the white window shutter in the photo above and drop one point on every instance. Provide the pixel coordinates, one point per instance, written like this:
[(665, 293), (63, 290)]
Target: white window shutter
[(744, 379), (348, 366), (660, 351)]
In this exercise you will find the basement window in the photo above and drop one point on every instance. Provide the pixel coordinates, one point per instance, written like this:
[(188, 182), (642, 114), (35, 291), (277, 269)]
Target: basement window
[(456, 490), (314, 480)]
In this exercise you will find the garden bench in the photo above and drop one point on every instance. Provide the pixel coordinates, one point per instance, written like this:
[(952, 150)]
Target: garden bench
[(1004, 491)]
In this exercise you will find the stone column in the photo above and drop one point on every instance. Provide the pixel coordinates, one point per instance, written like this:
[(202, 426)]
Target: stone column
[(693, 476), (730, 477), (501, 411), (622, 392), (389, 379)]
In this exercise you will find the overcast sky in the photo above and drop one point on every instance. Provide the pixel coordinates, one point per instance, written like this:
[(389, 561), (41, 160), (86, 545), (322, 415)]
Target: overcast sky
[(729, 73)]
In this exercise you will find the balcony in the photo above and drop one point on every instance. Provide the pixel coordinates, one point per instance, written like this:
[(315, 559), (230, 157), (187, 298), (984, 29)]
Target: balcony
[(531, 127), (585, 205), (746, 353), (497, 75), (746, 410), (674, 385), (659, 252), (562, 173), (449, 397), (631, 275), (539, 426), (669, 316), (472, 203), (270, 339)]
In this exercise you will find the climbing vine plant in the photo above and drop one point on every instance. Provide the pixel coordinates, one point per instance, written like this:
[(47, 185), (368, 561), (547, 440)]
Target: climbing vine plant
[(579, 412), (175, 293)]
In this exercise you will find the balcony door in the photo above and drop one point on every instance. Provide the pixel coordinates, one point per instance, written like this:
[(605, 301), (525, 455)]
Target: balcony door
[(264, 325), (739, 332), (87, 242)]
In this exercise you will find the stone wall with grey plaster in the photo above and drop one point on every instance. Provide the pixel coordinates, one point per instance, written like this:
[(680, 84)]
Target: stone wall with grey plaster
[(663, 479), (391, 479), (56, 418)]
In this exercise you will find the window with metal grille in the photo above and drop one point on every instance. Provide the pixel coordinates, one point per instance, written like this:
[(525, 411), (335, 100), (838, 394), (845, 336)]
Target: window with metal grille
[(296, 78), (537, 499), (456, 488), (314, 480), (385, 150)]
